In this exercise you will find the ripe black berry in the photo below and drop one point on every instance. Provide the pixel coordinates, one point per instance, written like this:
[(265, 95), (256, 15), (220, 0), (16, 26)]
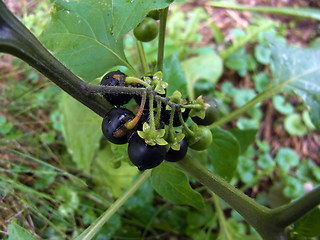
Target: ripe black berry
[(113, 125), (116, 78), (143, 155), (174, 156)]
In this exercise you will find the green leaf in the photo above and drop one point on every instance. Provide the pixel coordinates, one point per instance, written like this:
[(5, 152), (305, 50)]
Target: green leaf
[(261, 81), (236, 62), (224, 152), (173, 185), (247, 123), (87, 36), (16, 232), (69, 199), (246, 168), (293, 187), (297, 12), (242, 96), (287, 158), (298, 69), (265, 161), (173, 74), (115, 179), (262, 54), (81, 130), (294, 126), (208, 66), (244, 137), (309, 225), (281, 106), (251, 34)]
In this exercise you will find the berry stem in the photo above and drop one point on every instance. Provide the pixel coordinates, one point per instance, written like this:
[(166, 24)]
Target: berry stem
[(152, 124), (163, 22), (158, 111), (193, 106), (131, 80), (171, 130), (186, 128), (142, 57), (131, 124)]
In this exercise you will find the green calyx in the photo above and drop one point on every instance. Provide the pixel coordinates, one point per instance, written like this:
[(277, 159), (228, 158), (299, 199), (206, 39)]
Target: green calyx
[(152, 136)]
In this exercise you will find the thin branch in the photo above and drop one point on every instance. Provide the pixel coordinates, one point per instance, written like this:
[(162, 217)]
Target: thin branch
[(163, 23), (17, 40), (288, 214), (254, 213)]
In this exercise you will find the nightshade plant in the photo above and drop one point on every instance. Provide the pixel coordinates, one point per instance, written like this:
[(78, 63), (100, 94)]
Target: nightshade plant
[(95, 29)]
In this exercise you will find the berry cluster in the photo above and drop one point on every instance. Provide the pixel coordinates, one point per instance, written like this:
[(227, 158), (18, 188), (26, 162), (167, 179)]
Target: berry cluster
[(152, 132)]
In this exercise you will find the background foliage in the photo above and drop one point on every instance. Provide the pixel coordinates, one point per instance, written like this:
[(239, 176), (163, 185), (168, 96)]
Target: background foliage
[(58, 175)]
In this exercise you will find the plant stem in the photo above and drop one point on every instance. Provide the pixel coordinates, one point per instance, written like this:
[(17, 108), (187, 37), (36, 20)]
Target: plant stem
[(130, 80), (185, 127), (254, 213), (96, 225), (89, 89), (221, 217), (170, 128), (131, 124), (152, 124), (288, 214), (17, 40), (158, 114), (163, 22), (142, 57)]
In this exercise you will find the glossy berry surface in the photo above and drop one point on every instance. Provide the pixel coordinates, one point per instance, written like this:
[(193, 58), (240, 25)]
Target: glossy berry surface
[(113, 125), (143, 155), (212, 113), (146, 30), (115, 79), (174, 156), (176, 121)]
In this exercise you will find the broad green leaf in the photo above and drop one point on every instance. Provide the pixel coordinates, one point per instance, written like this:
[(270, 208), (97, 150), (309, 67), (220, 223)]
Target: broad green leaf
[(309, 225), (107, 176), (16, 232), (208, 66), (298, 69), (173, 74), (81, 130), (224, 152), (87, 36), (297, 12), (244, 137), (173, 185)]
